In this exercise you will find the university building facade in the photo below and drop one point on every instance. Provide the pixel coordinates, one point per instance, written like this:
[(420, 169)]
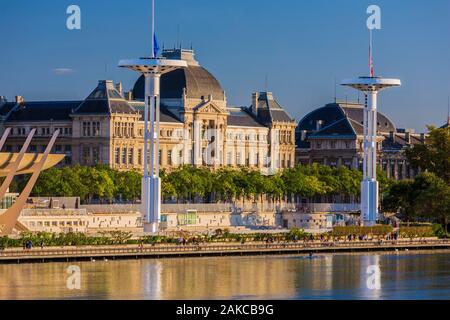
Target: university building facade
[(198, 127), (333, 135)]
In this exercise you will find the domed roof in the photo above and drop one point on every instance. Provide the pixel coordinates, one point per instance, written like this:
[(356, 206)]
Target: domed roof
[(197, 81), (334, 112), (339, 119)]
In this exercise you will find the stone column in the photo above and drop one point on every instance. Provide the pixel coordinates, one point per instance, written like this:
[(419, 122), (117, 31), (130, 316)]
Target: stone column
[(396, 170), (388, 168), (197, 143)]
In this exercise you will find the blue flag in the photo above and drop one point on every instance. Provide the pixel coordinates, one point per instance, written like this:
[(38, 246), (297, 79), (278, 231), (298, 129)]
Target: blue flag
[(155, 46)]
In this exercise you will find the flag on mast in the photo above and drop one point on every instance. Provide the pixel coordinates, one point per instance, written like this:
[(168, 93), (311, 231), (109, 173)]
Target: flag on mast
[(155, 46)]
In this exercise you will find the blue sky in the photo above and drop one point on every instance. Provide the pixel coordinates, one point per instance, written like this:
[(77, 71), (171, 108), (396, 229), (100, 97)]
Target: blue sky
[(300, 46)]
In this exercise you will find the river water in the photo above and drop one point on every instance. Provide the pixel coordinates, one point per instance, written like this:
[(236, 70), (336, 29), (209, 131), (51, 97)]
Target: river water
[(402, 275)]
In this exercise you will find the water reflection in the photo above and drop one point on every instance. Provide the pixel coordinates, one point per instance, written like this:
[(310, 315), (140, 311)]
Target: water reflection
[(403, 276)]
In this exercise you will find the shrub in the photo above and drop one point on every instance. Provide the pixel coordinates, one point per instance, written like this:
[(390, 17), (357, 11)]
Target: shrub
[(381, 230), (416, 232)]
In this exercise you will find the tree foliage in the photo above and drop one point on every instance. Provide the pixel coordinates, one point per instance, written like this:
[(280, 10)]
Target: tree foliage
[(426, 197), (434, 155), (190, 184)]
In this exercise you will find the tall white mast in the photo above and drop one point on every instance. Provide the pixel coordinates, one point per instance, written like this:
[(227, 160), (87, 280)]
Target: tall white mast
[(152, 68), (370, 86), (153, 30)]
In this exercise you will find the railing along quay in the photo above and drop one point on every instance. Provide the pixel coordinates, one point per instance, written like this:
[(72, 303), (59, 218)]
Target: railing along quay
[(149, 251)]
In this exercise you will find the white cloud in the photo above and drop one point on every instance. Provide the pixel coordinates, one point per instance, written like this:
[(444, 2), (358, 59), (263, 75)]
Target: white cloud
[(63, 71)]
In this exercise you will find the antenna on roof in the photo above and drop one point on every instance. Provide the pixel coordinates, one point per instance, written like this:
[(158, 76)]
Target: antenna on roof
[(266, 84), (178, 34), (335, 90)]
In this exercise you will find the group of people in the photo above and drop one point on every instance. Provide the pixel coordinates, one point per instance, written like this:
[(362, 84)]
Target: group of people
[(28, 244)]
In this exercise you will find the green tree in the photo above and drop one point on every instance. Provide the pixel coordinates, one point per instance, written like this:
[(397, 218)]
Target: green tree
[(128, 184), (433, 156), (401, 198), (433, 198)]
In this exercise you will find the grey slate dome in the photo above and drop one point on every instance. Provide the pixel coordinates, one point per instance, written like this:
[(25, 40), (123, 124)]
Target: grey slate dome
[(198, 82), (339, 119)]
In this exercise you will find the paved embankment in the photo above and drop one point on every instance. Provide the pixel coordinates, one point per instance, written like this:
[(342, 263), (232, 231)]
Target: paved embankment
[(166, 251)]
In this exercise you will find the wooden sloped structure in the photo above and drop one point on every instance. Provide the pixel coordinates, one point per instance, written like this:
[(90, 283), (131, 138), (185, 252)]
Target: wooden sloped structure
[(13, 164)]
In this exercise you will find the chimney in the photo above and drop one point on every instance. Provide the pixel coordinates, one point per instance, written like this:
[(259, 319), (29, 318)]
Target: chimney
[(422, 137), (19, 99), (129, 95), (255, 102), (392, 136), (119, 88), (408, 137)]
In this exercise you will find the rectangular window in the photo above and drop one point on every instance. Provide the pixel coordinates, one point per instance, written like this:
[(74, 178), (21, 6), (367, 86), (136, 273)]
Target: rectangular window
[(86, 155), (131, 156), (188, 218), (229, 158), (124, 156), (86, 129), (140, 157), (96, 128), (117, 155), (180, 157), (96, 155), (169, 157)]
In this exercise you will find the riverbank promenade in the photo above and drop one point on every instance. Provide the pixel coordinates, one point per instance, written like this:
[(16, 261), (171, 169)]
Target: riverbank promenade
[(112, 252)]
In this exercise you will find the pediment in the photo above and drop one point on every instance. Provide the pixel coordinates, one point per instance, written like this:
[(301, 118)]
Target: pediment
[(208, 107)]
